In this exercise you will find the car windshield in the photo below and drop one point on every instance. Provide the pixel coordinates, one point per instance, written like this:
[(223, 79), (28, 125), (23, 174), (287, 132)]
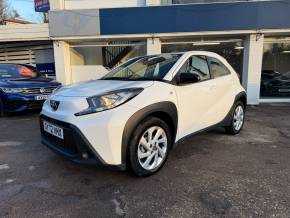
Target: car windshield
[(18, 71), (144, 68)]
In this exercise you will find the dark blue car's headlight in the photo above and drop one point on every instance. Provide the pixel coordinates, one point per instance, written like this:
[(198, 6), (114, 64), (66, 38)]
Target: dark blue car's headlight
[(11, 90)]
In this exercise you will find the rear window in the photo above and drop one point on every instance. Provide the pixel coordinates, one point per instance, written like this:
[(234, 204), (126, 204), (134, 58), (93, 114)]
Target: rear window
[(17, 71)]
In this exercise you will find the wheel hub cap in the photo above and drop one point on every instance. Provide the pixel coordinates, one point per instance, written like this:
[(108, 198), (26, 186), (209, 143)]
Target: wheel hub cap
[(238, 118), (152, 148)]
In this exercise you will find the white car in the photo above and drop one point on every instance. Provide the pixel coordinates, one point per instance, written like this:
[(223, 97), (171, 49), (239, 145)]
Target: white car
[(132, 117)]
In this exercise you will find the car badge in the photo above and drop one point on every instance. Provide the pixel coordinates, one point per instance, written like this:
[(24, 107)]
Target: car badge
[(54, 104)]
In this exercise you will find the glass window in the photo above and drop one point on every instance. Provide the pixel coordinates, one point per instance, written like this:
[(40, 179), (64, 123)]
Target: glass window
[(231, 51), (275, 77), (17, 71), (147, 67), (217, 68), (108, 55), (196, 65)]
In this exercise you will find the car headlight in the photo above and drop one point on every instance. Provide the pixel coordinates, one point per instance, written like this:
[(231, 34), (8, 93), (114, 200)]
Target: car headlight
[(11, 90), (109, 100)]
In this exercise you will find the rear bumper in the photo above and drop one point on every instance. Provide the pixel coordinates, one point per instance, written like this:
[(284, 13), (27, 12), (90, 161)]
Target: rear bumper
[(74, 146)]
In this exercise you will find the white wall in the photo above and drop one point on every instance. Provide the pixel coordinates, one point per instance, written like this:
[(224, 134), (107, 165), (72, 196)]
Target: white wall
[(76, 58), (91, 4), (252, 67), (153, 46), (87, 72), (24, 32), (62, 57)]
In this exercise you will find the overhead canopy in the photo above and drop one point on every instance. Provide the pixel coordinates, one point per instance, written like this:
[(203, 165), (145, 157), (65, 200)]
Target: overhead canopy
[(172, 19)]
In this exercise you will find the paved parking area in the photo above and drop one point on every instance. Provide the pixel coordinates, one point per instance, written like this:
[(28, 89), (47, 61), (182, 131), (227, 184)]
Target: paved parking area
[(209, 175)]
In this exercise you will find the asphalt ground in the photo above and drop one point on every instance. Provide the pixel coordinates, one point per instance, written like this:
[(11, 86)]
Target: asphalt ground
[(209, 175)]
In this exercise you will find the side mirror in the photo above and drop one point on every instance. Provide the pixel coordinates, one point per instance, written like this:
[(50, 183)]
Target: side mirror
[(187, 78)]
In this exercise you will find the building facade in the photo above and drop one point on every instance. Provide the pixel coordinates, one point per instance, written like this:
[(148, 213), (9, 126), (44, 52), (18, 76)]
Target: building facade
[(26, 43), (90, 36)]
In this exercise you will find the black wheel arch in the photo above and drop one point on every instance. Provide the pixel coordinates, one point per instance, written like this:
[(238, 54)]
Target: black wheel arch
[(242, 96), (166, 111)]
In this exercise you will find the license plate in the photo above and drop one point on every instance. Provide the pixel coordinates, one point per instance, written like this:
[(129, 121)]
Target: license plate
[(53, 130), (41, 97), (284, 90)]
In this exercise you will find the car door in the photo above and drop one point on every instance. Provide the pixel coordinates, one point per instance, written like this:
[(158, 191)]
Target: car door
[(222, 89), (195, 99)]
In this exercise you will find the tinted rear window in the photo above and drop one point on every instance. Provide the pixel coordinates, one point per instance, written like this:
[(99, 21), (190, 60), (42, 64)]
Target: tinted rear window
[(17, 71)]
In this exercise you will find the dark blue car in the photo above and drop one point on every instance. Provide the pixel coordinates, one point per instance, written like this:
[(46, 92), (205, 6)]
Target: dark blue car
[(23, 88)]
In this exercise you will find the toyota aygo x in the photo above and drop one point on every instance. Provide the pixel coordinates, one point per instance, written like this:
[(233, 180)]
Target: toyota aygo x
[(132, 117)]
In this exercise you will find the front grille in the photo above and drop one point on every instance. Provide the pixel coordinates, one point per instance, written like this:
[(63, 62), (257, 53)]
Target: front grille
[(31, 105), (38, 91)]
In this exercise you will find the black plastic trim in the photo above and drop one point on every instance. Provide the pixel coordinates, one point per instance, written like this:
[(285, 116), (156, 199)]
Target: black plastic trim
[(166, 107), (78, 136)]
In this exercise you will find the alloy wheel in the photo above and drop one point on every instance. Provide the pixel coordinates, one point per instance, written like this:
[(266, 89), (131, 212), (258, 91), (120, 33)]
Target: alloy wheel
[(238, 117), (152, 148)]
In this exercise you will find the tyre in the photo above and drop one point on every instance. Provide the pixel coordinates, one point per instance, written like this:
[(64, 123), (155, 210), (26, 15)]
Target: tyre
[(149, 146), (237, 119), (2, 111)]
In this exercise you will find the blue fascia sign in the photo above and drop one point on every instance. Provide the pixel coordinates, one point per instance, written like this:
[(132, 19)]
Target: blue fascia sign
[(41, 5)]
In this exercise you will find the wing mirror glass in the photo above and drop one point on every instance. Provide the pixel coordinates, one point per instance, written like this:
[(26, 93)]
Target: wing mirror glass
[(187, 78)]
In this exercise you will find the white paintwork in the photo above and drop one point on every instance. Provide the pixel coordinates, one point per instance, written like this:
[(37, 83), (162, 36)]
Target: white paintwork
[(82, 73), (153, 46), (252, 66), (235, 33), (24, 32), (199, 105)]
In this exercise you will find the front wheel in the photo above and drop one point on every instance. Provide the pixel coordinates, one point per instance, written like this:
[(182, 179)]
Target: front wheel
[(237, 120), (2, 110), (149, 146)]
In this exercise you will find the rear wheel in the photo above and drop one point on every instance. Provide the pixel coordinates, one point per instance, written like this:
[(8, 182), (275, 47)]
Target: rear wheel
[(237, 120), (149, 146)]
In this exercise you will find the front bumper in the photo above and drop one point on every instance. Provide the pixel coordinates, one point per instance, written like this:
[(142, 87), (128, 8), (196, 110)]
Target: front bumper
[(74, 146), (18, 103)]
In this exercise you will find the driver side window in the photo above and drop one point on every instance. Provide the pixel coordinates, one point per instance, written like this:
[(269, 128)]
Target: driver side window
[(196, 65)]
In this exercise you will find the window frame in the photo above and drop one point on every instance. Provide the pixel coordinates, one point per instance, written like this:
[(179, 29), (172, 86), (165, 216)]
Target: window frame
[(206, 59)]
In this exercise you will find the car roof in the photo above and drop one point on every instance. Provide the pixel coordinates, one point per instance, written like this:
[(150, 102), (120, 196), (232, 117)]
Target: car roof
[(193, 52)]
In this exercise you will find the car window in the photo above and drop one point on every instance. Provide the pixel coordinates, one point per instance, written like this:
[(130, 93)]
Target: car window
[(217, 68), (17, 71), (196, 65), (148, 67)]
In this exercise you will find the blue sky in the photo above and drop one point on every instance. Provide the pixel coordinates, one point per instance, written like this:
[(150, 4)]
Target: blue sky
[(26, 9)]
